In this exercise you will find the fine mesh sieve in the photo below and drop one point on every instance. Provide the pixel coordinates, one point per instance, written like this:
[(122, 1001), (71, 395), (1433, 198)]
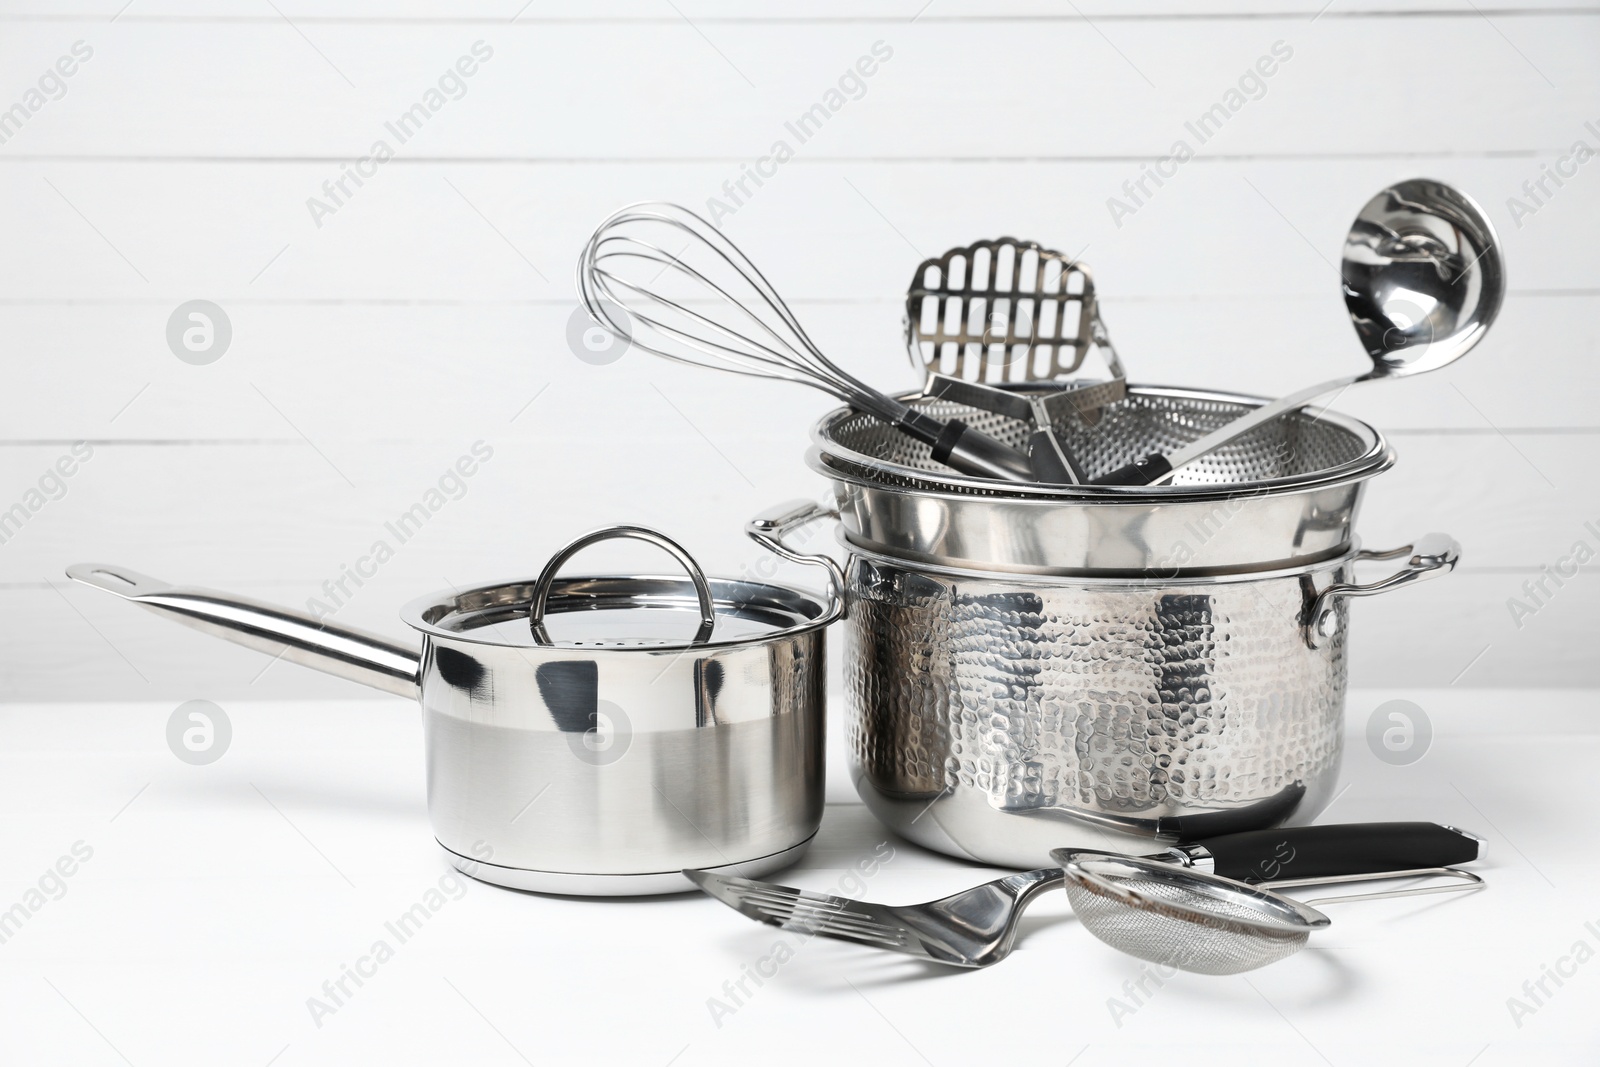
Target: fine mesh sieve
[(1206, 924), (1297, 450)]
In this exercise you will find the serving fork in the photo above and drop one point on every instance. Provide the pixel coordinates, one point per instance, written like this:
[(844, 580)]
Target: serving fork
[(973, 928)]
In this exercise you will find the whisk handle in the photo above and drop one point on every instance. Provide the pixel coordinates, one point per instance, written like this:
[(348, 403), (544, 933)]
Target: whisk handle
[(952, 441), (974, 452), (1339, 849)]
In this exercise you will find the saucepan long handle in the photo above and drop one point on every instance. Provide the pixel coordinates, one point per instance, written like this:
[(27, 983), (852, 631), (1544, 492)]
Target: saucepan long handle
[(292, 635)]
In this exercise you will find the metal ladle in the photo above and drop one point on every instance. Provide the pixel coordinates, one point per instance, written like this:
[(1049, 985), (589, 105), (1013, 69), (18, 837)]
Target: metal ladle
[(1423, 281)]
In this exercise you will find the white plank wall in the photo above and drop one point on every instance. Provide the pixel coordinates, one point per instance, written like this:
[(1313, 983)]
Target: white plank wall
[(376, 344)]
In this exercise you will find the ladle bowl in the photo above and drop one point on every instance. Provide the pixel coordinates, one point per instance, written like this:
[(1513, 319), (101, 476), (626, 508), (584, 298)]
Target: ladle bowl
[(1423, 277)]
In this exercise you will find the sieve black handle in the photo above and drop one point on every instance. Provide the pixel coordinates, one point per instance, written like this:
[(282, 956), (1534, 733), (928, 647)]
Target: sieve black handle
[(1139, 472), (1339, 849)]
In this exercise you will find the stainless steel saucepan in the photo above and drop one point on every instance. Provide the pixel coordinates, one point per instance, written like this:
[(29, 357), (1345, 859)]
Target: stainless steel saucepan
[(588, 735)]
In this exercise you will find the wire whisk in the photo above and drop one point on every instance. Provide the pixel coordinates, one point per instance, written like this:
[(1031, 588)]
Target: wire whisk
[(667, 281)]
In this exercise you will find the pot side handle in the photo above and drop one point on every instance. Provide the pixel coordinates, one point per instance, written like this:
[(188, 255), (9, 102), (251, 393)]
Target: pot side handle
[(282, 632), (769, 529), (1428, 557)]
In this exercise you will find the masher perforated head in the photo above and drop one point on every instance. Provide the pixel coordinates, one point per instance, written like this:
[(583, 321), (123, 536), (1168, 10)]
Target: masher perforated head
[(1183, 918), (1004, 311)]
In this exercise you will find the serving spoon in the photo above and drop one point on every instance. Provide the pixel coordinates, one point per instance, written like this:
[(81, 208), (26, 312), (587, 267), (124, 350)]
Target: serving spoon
[(1423, 281)]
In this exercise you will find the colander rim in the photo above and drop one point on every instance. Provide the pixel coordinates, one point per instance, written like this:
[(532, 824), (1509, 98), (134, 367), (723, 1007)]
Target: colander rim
[(1377, 458)]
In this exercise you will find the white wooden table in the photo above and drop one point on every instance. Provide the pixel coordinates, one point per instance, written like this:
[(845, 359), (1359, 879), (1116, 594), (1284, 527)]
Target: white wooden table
[(215, 902)]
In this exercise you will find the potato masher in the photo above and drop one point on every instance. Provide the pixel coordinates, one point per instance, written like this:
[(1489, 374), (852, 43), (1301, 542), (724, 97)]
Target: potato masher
[(1011, 311)]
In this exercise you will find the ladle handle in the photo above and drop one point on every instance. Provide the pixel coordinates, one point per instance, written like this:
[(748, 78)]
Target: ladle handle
[(1156, 468)]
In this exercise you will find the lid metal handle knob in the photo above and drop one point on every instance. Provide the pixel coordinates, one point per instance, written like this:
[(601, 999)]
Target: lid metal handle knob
[(547, 577)]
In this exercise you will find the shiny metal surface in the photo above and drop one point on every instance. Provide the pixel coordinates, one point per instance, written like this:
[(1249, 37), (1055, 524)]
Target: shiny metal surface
[(342, 651), (1433, 554), (704, 303), (996, 717), (1423, 277), (1012, 311), (1044, 448), (1177, 539), (624, 760), (1288, 496), (1037, 406), (1302, 451), (586, 769), (769, 529), (978, 927), (612, 885), (1423, 281), (1004, 311), (1207, 924), (541, 585), (974, 928)]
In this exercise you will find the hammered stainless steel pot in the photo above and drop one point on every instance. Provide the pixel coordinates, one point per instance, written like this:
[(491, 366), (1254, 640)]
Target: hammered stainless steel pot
[(587, 735), (996, 716)]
